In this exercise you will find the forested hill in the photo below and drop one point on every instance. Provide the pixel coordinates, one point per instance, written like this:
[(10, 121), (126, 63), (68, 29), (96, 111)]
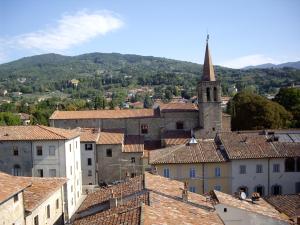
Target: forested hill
[(50, 72)]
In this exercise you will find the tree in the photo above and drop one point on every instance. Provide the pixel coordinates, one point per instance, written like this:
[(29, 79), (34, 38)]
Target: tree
[(250, 111), (148, 102), (9, 119), (290, 99)]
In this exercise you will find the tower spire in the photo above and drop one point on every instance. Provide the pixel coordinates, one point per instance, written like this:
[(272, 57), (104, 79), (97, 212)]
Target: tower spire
[(208, 68)]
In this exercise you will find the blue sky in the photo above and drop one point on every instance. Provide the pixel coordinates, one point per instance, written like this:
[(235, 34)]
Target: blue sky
[(241, 32)]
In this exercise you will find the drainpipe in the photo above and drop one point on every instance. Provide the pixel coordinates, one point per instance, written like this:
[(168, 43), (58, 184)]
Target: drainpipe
[(203, 177), (268, 176)]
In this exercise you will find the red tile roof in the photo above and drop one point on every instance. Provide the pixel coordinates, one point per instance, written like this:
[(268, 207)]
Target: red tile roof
[(178, 107), (103, 114), (260, 207), (37, 132), (252, 145), (286, 204), (176, 137), (112, 137), (10, 185), (203, 151), (133, 143), (89, 135)]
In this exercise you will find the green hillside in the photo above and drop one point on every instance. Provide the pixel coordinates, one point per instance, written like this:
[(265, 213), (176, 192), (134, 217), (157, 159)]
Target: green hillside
[(106, 71)]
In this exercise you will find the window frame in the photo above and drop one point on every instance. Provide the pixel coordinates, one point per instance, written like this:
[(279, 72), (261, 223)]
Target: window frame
[(179, 125), (259, 168), (217, 172), (144, 128), (88, 148), (109, 152), (192, 172), (39, 150), (243, 169), (48, 211), (167, 172), (15, 151), (89, 162), (51, 150), (276, 168)]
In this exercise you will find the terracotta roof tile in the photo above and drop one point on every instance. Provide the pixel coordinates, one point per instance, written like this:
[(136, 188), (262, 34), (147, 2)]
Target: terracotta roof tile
[(133, 143), (38, 132), (40, 190), (252, 145), (203, 151), (167, 207), (178, 107), (103, 114), (89, 135), (260, 207), (286, 204), (112, 137), (176, 137), (10, 185)]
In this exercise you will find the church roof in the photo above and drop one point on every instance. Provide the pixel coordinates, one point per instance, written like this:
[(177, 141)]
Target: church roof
[(208, 68)]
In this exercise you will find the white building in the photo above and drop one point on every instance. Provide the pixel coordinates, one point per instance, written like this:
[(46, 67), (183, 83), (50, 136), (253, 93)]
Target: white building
[(88, 139), (28, 200), (41, 151), (263, 163)]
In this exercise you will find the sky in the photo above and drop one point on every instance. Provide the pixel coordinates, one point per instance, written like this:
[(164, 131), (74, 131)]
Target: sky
[(242, 33)]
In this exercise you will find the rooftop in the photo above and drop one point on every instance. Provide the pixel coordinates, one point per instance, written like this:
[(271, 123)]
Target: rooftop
[(176, 137), (260, 207), (133, 143), (10, 185), (252, 145), (89, 135), (103, 114), (178, 107), (111, 137), (287, 204), (202, 151), (37, 132)]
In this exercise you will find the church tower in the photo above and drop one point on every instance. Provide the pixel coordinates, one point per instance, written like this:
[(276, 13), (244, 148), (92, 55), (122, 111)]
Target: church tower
[(209, 99)]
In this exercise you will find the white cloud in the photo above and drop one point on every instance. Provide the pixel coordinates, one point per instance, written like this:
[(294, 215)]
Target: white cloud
[(70, 30), (249, 60)]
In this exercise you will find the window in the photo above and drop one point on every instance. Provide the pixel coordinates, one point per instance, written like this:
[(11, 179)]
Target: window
[(192, 189), (217, 172), (289, 165), (15, 151), (16, 198), (166, 172), (17, 170), (88, 147), (52, 172), (89, 173), (132, 159), (48, 211), (215, 94), (192, 172), (276, 168), (89, 161), (108, 152), (242, 169), (179, 125), (217, 187), (144, 129), (71, 170), (57, 204), (36, 220), (40, 173), (298, 164), (76, 144), (70, 147), (39, 150), (72, 201), (260, 189), (276, 189), (259, 168), (52, 150), (71, 188), (77, 165), (208, 94), (133, 175), (297, 187)]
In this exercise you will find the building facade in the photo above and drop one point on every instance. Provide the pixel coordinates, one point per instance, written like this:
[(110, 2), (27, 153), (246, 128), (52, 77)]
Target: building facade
[(40, 151)]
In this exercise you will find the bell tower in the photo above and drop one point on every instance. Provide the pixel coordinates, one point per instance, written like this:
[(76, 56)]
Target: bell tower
[(209, 99)]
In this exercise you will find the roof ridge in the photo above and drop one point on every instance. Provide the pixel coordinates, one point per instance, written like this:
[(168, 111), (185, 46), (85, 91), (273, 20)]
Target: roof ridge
[(47, 128)]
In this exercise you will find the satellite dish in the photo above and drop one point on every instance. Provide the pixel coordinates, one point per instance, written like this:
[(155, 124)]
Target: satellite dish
[(243, 195)]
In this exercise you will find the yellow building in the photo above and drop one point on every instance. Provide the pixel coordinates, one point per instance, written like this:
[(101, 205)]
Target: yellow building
[(198, 162)]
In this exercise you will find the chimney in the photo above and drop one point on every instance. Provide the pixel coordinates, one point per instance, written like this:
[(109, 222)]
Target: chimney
[(127, 176), (113, 201), (185, 192), (154, 170)]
